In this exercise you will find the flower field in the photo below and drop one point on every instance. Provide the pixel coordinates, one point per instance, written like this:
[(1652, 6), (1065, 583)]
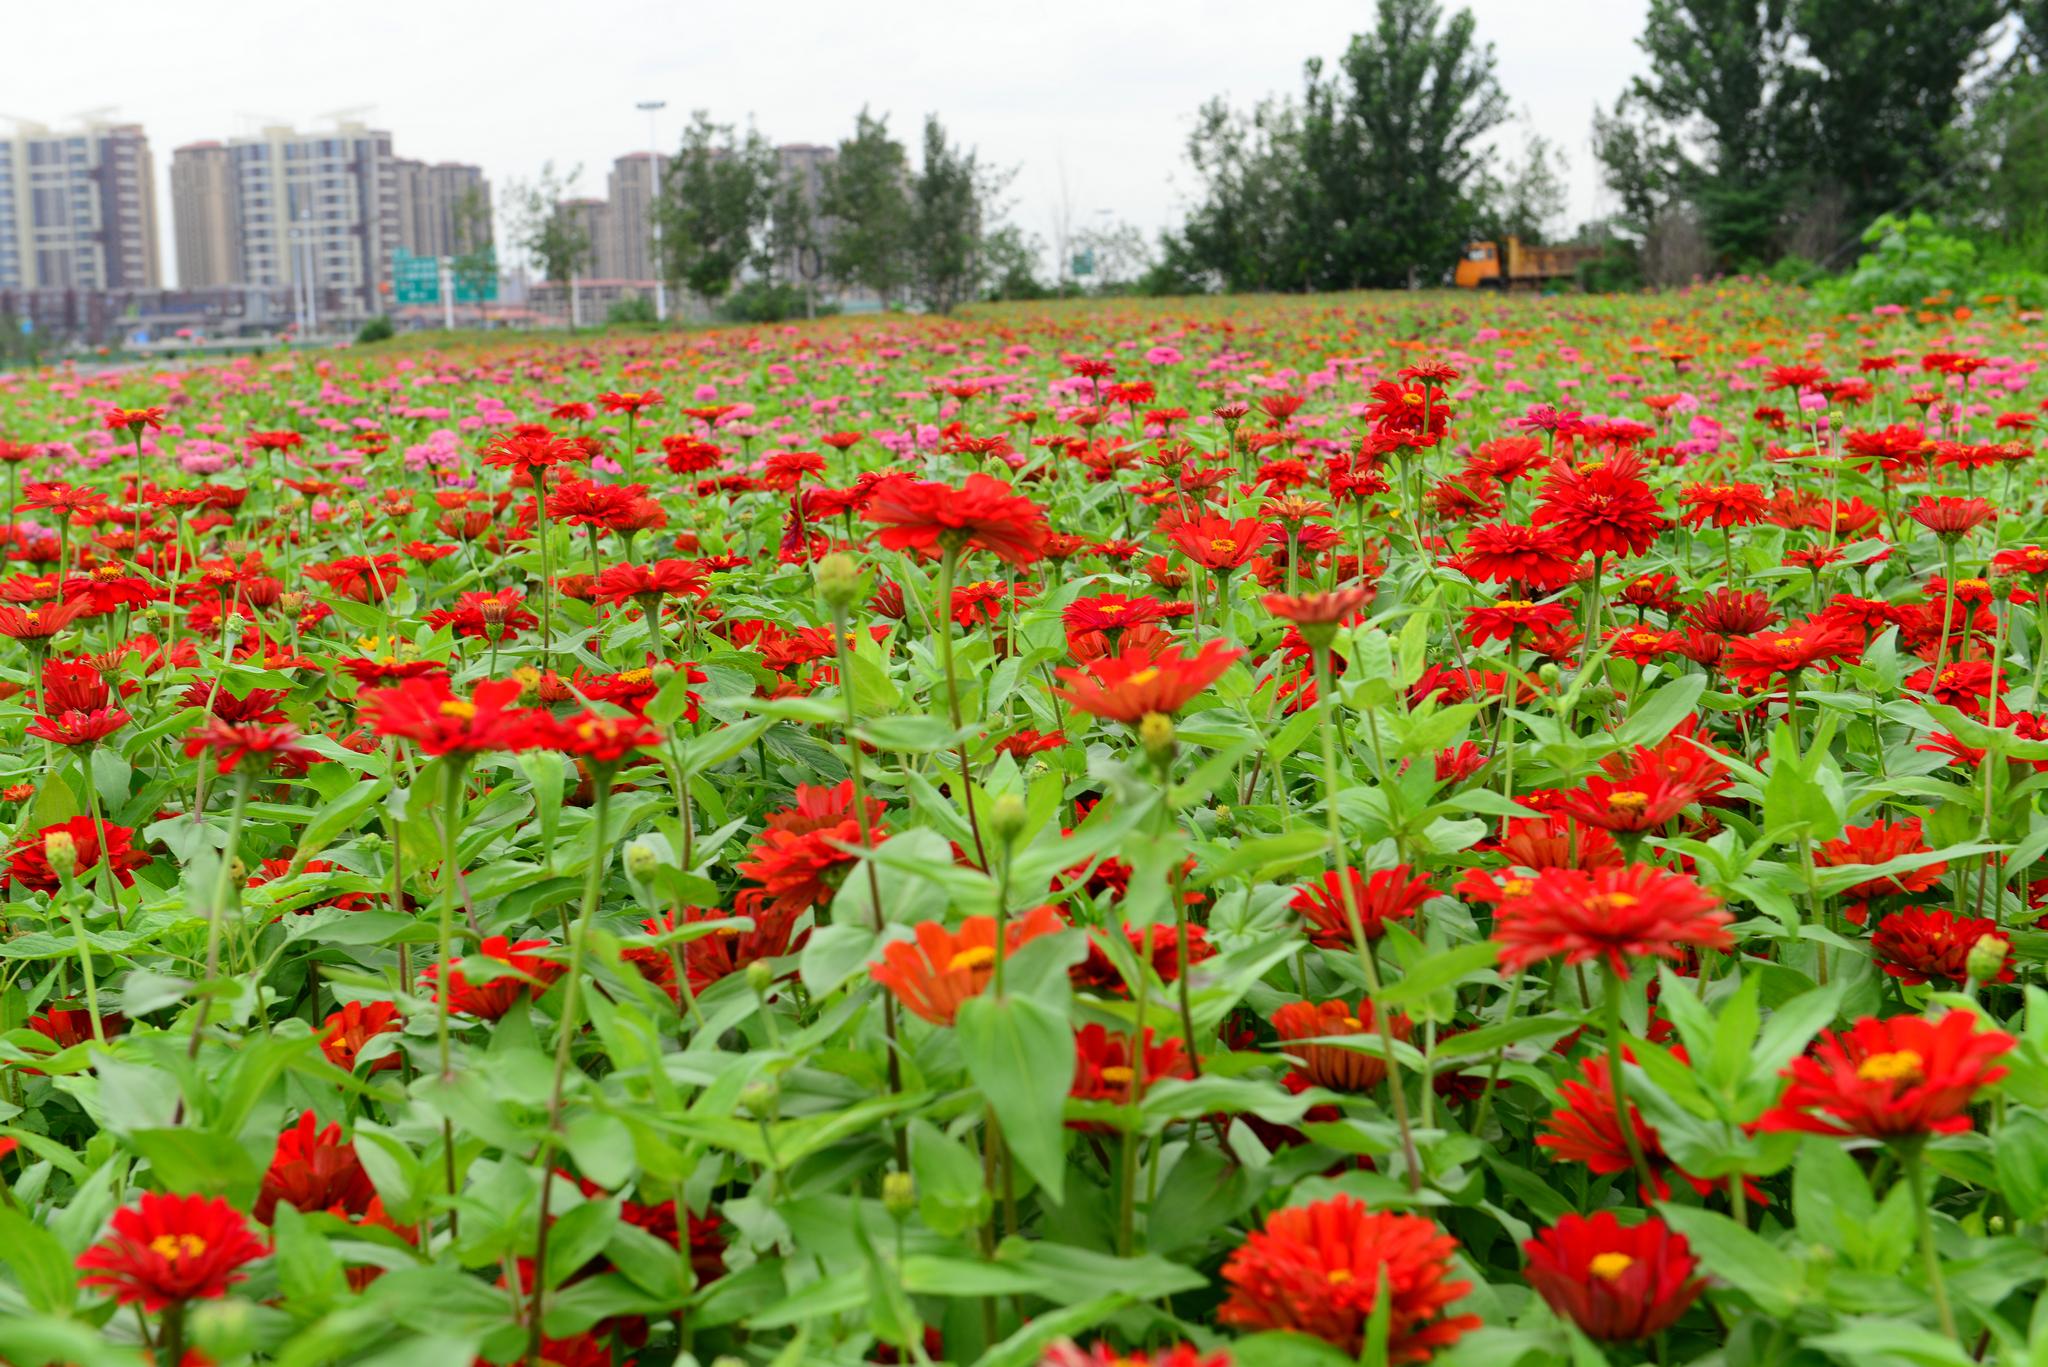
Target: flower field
[(1378, 829)]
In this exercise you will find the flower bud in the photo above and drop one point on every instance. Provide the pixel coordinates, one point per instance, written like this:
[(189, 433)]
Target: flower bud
[(1987, 957), (492, 610), (293, 601), (838, 577), (1155, 733), (758, 1098), (641, 860), (1007, 817), (760, 977), (899, 1194), (62, 853)]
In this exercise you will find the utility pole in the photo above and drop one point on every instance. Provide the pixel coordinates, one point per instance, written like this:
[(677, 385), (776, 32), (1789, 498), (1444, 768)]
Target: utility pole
[(448, 294), (652, 108)]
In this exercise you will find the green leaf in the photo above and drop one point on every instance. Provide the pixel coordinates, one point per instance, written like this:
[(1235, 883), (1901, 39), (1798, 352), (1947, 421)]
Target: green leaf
[(950, 1195), (1744, 1260), (1020, 1053), (1439, 970), (40, 1264)]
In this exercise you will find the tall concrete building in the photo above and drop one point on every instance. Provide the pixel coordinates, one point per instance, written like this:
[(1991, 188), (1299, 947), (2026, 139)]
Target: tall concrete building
[(78, 209), (595, 220), (632, 190), (206, 215), (444, 209), (319, 210)]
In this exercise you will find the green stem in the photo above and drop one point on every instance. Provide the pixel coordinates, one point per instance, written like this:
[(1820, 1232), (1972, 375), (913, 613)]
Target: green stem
[(1325, 704), (1622, 1116), (1930, 1257)]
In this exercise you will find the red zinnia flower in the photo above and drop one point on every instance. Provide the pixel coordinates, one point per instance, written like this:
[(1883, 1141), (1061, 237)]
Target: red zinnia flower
[(78, 728), (1137, 683), (261, 744), (799, 855), (1604, 511), (1922, 943), (1389, 894), (1628, 802), (1103, 1070), (426, 713), (933, 976), (345, 1032), (1508, 552), (165, 1250), (28, 863), (1221, 545), (1618, 1283), (312, 1170), (1611, 914), (1902, 1078), (1949, 517), (133, 419), (529, 976), (1320, 1269), (1332, 1065), (983, 514)]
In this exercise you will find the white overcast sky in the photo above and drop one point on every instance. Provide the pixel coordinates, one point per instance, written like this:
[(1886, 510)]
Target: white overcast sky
[(1096, 96)]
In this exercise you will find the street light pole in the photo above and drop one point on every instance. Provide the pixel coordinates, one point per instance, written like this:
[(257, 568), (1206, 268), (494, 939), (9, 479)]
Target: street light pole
[(652, 108)]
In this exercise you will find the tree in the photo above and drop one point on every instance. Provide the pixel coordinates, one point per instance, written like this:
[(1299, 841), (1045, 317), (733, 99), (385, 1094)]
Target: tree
[(952, 200), (715, 206), (544, 227), (1243, 231), (1881, 84), (1120, 253), (867, 204), (1530, 200), (1375, 176), (1636, 157), (475, 265), (1010, 264), (1721, 79)]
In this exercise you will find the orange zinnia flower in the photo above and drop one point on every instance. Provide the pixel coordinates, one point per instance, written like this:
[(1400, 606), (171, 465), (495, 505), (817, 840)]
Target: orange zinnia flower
[(944, 968)]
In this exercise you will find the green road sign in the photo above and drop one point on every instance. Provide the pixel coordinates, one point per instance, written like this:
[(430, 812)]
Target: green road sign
[(414, 279), (476, 277)]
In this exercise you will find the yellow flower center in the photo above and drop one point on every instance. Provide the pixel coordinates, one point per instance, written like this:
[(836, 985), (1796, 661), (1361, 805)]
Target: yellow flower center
[(977, 957), (1337, 1276), (636, 676), (175, 1246), (458, 709), (1223, 545), (1627, 800), (1517, 887), (1901, 1065), (1110, 609), (1117, 1074), (1352, 1023), (1608, 1266), (1145, 675)]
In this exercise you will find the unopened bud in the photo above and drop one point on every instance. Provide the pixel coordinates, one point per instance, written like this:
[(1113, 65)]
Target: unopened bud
[(1007, 817), (899, 1194), (1155, 733), (1987, 958), (492, 610), (838, 579), (641, 860), (293, 601), (758, 1098), (1548, 675), (760, 977), (62, 853)]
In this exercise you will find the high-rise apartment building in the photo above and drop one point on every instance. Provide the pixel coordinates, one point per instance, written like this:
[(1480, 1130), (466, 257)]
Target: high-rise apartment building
[(594, 221), (77, 209), (319, 210), (444, 209), (632, 190), (206, 215)]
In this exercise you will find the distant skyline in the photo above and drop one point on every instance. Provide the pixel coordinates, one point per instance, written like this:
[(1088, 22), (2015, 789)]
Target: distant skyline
[(1091, 102)]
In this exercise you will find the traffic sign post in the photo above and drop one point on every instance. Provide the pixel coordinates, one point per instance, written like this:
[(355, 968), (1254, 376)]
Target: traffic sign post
[(414, 279)]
